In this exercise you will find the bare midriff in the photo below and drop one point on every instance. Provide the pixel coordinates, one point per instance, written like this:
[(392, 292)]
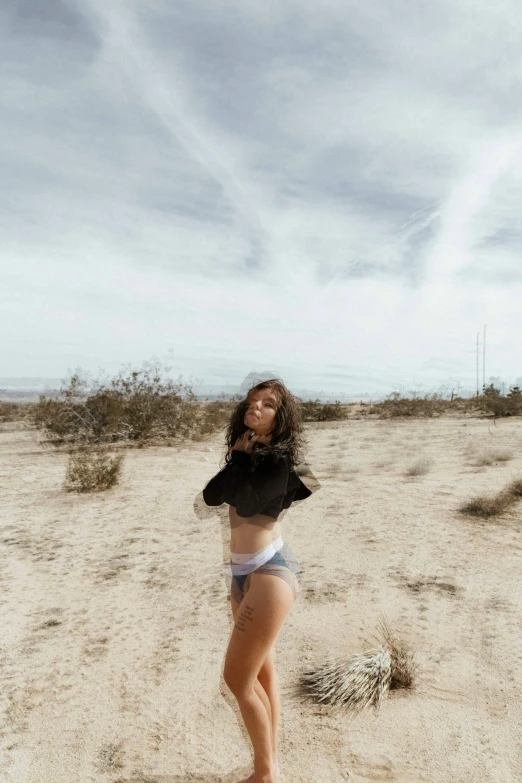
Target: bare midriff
[(250, 534)]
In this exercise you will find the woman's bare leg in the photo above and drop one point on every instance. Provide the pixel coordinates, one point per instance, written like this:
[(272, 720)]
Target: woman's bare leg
[(269, 684), (259, 619), (267, 688)]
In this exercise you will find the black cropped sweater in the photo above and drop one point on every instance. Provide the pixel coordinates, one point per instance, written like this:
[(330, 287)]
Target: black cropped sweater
[(253, 488)]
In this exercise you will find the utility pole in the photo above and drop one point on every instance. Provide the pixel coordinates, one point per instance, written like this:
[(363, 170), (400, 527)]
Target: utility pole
[(478, 364), (484, 360)]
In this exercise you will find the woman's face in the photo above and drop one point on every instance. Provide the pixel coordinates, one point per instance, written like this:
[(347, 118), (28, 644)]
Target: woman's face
[(261, 411)]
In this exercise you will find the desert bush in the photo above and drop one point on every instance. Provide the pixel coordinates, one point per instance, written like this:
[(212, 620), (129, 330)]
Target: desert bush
[(92, 470), (419, 468), (490, 456), (488, 505), (491, 506), (317, 411), (499, 404), (515, 489), (137, 405), (15, 411), (424, 407), (215, 415)]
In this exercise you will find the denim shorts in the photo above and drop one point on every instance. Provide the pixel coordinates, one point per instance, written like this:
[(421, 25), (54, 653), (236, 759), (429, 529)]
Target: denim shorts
[(282, 564)]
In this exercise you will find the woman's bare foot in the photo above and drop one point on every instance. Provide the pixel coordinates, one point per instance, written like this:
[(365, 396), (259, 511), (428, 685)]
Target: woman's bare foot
[(253, 778)]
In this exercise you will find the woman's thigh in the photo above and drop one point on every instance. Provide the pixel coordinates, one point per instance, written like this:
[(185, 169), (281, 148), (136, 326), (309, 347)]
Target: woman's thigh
[(258, 620), (269, 663)]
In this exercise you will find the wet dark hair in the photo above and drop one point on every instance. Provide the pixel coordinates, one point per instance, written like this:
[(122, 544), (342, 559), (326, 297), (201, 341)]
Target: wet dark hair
[(287, 433)]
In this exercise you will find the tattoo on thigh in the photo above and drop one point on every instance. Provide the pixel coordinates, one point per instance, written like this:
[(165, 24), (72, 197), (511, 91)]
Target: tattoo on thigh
[(241, 620)]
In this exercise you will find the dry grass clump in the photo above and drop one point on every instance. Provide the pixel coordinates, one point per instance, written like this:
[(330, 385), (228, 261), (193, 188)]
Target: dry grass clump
[(420, 468), (493, 505), (92, 471), (362, 680), (515, 488), (490, 456)]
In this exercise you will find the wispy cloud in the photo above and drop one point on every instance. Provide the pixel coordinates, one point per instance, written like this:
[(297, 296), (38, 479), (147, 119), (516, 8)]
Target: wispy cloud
[(261, 184), (127, 47)]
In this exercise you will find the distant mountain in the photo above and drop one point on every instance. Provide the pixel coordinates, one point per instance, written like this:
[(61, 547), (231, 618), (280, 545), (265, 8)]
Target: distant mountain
[(256, 377), (27, 384), (28, 389)]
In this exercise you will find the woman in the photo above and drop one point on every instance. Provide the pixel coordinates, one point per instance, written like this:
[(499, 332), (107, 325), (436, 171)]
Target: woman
[(259, 481)]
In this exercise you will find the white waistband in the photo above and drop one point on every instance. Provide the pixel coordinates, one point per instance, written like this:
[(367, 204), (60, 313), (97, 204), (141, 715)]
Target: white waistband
[(242, 564)]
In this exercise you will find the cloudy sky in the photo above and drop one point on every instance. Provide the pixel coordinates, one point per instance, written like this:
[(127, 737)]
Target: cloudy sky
[(333, 195)]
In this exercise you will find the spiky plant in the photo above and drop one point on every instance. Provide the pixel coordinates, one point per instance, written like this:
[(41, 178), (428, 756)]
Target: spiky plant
[(361, 680), (403, 666), (358, 682)]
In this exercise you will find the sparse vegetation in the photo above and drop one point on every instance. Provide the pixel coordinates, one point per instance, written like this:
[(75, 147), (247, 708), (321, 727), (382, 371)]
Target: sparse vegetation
[(137, 406), (493, 505), (420, 468), (435, 404), (515, 488), (92, 470), (425, 406), (143, 406), (499, 404), (15, 411), (490, 456), (317, 411), (111, 757)]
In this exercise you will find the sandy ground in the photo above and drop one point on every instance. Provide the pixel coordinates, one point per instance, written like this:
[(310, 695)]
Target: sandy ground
[(114, 613)]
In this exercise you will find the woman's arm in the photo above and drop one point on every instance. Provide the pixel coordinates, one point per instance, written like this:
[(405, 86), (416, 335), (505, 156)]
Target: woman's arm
[(254, 489), (213, 491)]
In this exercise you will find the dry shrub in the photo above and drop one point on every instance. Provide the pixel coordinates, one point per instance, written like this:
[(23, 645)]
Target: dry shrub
[(138, 405), (215, 416), (499, 404), (491, 401), (317, 411), (515, 489), (92, 471), (490, 456), (362, 679), (420, 468), (15, 411), (488, 505), (423, 407)]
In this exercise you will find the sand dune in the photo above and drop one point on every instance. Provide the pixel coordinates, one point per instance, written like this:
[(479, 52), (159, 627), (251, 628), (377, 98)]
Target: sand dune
[(114, 618)]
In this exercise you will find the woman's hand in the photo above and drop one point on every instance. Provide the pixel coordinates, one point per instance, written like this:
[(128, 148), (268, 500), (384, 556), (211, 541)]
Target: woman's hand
[(246, 441)]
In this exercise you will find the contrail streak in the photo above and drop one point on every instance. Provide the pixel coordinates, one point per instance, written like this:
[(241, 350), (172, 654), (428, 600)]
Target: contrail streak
[(122, 39)]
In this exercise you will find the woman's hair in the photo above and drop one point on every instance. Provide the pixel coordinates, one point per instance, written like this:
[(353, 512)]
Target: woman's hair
[(287, 433)]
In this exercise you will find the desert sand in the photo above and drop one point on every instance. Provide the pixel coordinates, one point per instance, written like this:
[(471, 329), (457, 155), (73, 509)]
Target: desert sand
[(114, 612)]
